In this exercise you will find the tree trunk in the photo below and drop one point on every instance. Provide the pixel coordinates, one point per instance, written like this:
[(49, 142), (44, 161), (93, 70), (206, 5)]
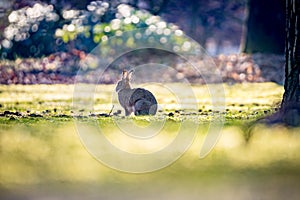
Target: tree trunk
[(290, 106), (289, 113), (265, 27)]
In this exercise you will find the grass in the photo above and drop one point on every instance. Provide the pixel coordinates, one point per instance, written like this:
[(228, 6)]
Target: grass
[(241, 100), (43, 156)]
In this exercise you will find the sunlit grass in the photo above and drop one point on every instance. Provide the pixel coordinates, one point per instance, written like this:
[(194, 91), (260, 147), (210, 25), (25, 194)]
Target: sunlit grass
[(250, 99)]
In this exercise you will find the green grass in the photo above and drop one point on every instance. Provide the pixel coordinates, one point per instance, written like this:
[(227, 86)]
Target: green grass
[(242, 101), (43, 156)]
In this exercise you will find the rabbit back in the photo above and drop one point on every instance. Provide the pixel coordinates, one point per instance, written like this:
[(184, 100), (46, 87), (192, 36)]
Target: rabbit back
[(143, 101)]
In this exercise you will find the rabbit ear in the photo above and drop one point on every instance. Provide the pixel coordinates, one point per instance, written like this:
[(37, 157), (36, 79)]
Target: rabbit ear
[(129, 76), (124, 74)]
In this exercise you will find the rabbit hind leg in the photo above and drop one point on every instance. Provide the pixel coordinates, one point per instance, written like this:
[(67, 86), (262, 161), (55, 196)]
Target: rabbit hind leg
[(142, 107)]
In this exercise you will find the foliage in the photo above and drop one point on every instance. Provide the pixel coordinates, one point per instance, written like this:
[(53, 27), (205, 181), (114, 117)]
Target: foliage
[(68, 25), (30, 32), (41, 30), (126, 19)]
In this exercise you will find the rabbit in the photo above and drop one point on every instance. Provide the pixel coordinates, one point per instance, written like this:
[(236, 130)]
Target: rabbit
[(137, 100)]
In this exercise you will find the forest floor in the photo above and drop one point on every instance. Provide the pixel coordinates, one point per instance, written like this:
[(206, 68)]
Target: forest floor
[(42, 155)]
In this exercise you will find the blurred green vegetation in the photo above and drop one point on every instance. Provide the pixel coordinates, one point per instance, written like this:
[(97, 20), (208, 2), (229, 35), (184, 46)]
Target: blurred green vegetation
[(43, 29), (33, 28), (43, 157)]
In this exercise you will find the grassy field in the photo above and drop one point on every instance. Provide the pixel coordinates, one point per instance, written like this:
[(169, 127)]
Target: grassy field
[(42, 156)]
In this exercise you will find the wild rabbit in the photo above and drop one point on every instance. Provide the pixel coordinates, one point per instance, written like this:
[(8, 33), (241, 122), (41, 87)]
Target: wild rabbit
[(137, 100)]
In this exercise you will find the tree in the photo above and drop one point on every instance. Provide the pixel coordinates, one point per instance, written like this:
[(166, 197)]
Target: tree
[(265, 34), (290, 107), (264, 29)]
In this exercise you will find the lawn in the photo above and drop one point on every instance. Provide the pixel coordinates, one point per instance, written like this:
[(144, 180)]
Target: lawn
[(42, 155)]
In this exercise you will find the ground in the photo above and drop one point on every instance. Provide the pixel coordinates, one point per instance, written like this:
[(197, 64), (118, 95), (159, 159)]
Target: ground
[(42, 156)]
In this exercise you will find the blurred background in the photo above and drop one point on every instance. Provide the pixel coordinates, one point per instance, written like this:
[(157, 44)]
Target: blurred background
[(216, 25), (58, 34)]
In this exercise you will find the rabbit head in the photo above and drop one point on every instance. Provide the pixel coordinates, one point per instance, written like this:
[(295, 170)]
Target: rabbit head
[(124, 83)]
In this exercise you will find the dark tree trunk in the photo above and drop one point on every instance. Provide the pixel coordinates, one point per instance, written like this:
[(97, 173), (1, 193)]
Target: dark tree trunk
[(290, 106), (265, 27)]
